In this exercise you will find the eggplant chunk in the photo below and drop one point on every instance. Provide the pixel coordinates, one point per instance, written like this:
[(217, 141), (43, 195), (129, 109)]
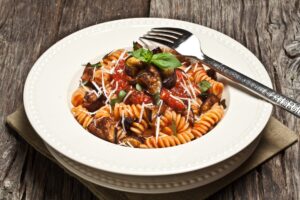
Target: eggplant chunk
[(208, 103), (87, 73), (150, 79), (132, 66), (92, 102), (169, 81), (103, 128)]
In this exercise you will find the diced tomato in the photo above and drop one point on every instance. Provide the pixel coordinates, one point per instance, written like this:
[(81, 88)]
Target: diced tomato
[(120, 77), (138, 97), (170, 101), (179, 75)]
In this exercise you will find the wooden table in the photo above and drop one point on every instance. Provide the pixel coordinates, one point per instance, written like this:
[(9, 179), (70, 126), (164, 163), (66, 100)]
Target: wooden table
[(270, 29)]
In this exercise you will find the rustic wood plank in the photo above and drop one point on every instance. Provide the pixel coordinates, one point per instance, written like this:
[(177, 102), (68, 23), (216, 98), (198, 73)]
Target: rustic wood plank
[(271, 30), (27, 29)]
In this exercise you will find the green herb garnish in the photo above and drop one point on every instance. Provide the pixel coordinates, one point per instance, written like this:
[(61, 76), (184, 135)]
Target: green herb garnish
[(122, 94), (165, 61), (161, 60), (138, 87), (114, 101), (97, 65), (142, 54), (204, 86), (119, 99)]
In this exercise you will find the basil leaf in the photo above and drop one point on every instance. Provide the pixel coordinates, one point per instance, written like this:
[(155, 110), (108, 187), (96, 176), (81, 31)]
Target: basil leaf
[(204, 85), (165, 60), (142, 54), (138, 87)]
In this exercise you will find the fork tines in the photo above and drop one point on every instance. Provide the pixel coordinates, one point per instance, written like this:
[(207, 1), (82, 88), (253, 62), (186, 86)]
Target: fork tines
[(168, 36)]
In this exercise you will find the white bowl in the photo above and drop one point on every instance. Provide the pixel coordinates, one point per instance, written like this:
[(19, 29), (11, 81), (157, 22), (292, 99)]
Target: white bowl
[(156, 184), (50, 82)]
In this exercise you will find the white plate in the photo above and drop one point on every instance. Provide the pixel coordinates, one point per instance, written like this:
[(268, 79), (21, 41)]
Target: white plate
[(55, 74), (156, 184)]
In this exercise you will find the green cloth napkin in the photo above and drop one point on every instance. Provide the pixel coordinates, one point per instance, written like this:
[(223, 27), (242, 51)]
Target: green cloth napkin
[(275, 138)]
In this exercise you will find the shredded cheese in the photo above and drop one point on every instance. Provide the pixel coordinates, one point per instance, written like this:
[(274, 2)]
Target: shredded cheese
[(176, 98), (112, 92), (87, 112), (123, 120), (93, 91), (142, 112), (192, 90), (129, 144), (94, 73), (128, 94), (84, 87), (157, 128), (160, 105), (187, 69), (103, 85), (186, 89), (99, 91), (196, 66), (188, 110)]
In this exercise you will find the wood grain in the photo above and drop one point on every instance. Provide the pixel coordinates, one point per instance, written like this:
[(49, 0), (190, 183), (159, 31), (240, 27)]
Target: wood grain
[(27, 29), (270, 29)]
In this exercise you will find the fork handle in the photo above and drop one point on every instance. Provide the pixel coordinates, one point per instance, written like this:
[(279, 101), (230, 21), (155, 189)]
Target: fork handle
[(265, 92)]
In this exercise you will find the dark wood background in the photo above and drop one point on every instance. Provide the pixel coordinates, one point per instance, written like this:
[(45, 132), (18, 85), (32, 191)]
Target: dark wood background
[(270, 29)]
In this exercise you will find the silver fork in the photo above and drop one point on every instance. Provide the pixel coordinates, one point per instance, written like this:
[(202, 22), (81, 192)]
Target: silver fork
[(185, 43)]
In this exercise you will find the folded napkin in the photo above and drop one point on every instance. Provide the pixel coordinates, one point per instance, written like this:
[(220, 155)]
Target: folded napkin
[(275, 138)]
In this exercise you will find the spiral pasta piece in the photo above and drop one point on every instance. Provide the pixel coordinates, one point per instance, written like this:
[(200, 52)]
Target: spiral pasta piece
[(112, 57), (180, 123), (168, 141), (82, 115), (208, 120), (197, 74), (78, 96), (133, 111), (195, 106), (139, 128), (100, 74), (103, 112)]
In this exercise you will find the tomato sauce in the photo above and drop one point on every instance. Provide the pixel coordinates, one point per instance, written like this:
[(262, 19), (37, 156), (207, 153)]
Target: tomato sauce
[(120, 77), (138, 97)]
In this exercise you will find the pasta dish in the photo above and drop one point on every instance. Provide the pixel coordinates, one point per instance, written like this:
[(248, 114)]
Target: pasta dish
[(148, 98)]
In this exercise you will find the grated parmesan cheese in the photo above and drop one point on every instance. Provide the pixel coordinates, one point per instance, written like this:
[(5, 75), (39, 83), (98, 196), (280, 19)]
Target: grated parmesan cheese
[(187, 69), (160, 105), (188, 110), (176, 98), (99, 91), (196, 66), (103, 85), (112, 92), (128, 94), (142, 112), (123, 120), (157, 128)]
